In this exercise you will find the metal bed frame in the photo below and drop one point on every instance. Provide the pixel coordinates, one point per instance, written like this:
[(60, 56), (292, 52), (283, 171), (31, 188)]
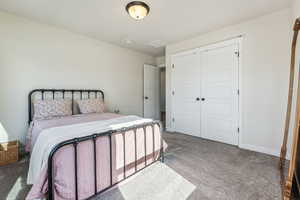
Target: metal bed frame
[(93, 137)]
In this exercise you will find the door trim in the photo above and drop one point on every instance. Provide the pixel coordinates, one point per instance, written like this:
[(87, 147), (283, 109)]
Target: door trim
[(238, 41)]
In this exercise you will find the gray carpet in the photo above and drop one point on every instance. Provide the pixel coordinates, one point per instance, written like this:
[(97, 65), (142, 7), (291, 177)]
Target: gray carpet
[(13, 180), (194, 169)]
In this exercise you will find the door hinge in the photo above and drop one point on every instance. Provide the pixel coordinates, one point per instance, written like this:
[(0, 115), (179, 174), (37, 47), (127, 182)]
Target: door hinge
[(237, 53), (173, 119), (238, 129), (173, 66), (173, 92), (238, 92)]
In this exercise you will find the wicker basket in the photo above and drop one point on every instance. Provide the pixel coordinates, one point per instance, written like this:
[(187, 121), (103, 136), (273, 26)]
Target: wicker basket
[(9, 152)]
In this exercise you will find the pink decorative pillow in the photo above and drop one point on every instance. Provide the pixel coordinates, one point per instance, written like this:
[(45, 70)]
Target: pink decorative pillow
[(91, 106), (47, 109)]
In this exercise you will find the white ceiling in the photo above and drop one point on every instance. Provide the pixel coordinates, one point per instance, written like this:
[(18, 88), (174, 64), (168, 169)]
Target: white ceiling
[(169, 20)]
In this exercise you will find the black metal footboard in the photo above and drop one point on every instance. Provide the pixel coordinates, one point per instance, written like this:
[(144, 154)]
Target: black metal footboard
[(93, 137)]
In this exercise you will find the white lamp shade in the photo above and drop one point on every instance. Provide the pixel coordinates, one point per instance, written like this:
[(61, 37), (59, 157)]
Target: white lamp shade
[(3, 134)]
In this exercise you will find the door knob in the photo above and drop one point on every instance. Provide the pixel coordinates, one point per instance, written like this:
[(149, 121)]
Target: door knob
[(202, 99), (197, 99), (146, 98)]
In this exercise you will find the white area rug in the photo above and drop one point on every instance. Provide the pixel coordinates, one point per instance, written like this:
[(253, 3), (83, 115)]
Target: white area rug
[(157, 182)]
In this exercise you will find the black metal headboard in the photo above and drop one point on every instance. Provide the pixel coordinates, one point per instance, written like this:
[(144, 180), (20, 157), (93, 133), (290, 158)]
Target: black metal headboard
[(53, 93)]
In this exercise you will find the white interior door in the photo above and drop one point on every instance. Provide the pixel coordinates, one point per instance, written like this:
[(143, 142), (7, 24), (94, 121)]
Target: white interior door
[(219, 94), (186, 93), (151, 92)]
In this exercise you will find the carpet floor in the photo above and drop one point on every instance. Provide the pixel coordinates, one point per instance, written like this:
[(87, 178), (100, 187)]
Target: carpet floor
[(194, 169)]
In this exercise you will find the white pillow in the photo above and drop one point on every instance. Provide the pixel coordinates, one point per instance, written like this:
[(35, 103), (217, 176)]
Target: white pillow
[(46, 109), (91, 106)]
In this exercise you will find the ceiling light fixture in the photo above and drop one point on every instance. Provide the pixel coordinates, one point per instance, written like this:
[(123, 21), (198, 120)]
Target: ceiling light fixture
[(137, 9)]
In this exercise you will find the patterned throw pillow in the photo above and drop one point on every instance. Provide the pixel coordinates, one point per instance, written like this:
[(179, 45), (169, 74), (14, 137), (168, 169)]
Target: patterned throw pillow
[(47, 109), (91, 106)]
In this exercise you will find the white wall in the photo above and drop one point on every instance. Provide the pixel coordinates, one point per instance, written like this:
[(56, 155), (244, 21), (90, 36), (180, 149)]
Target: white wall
[(34, 55), (296, 9), (265, 69), (160, 61)]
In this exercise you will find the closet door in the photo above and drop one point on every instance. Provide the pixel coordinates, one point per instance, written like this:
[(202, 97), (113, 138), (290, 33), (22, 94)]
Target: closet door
[(219, 94), (186, 93)]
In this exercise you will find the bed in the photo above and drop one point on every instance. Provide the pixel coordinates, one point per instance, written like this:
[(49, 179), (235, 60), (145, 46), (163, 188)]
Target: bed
[(79, 156)]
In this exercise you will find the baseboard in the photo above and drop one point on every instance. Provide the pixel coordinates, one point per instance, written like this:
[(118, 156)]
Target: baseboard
[(169, 129), (272, 152), (264, 150)]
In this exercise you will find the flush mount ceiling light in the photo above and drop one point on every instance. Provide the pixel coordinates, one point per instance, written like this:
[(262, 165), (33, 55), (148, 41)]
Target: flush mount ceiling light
[(137, 9)]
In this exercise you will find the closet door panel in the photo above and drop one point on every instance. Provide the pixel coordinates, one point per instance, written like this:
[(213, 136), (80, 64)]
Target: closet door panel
[(186, 88), (219, 83)]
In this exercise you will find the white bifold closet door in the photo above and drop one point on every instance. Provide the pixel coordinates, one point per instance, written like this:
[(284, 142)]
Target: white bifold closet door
[(186, 93), (219, 91), (205, 99)]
